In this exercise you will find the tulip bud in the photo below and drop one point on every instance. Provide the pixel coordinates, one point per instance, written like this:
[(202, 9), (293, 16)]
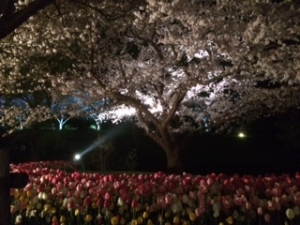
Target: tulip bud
[(145, 215), (87, 201), (77, 212), (107, 196), (99, 202), (62, 219), (114, 220), (88, 218), (185, 199), (106, 204), (120, 202), (44, 196), (70, 205), (176, 220), (229, 220), (296, 210), (192, 216), (134, 204), (168, 199)]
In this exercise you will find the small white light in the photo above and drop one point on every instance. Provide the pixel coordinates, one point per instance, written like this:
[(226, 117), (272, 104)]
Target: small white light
[(241, 135), (77, 157)]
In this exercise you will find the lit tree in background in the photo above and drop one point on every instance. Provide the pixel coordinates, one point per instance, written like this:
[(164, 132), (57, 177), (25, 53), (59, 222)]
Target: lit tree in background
[(179, 67)]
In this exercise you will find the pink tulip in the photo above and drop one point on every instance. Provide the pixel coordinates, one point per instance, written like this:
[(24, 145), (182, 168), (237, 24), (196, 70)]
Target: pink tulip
[(226, 202), (168, 199), (237, 201), (79, 187), (199, 211), (260, 211), (248, 206), (107, 196), (267, 217), (54, 191), (276, 191)]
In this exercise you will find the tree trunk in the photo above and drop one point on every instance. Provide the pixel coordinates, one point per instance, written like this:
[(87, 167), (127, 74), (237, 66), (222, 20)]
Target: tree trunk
[(174, 161)]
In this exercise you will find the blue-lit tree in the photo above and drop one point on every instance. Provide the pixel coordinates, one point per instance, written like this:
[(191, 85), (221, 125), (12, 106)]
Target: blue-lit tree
[(179, 67)]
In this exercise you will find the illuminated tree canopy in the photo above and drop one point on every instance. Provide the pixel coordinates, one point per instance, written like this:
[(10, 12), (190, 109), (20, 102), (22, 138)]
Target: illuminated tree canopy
[(179, 67)]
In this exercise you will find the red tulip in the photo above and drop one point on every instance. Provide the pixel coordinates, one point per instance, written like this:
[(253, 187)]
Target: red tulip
[(106, 203), (70, 205), (134, 204), (87, 201), (99, 202)]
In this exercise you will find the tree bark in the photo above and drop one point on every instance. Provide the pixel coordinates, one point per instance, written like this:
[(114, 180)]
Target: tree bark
[(174, 161)]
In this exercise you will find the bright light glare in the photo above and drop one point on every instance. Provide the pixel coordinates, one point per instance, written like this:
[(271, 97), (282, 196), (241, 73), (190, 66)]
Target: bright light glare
[(77, 157), (241, 135)]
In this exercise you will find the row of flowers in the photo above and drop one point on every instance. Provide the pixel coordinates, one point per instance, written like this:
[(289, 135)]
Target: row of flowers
[(57, 196)]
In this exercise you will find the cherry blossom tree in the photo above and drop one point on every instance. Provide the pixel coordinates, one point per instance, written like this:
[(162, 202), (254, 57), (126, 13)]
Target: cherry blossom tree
[(178, 67)]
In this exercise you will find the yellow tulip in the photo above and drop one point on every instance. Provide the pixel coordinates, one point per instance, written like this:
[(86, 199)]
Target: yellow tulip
[(47, 207), (192, 216), (167, 214), (160, 218), (114, 220), (26, 200), (145, 215), (21, 198), (39, 206), (149, 222), (140, 220), (229, 220), (53, 211), (88, 218), (94, 205), (77, 212), (186, 223), (134, 222), (176, 220), (62, 219), (29, 193), (122, 221)]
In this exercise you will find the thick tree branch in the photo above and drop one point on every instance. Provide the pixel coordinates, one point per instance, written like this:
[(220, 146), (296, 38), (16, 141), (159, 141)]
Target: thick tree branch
[(135, 104), (179, 97)]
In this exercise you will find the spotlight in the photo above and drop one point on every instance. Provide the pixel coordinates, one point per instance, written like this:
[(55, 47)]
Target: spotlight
[(77, 157)]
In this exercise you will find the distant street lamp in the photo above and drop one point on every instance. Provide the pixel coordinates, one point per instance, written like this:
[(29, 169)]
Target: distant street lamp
[(241, 135)]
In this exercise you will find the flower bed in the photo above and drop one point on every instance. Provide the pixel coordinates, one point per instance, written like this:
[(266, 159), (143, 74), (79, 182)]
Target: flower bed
[(57, 197)]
